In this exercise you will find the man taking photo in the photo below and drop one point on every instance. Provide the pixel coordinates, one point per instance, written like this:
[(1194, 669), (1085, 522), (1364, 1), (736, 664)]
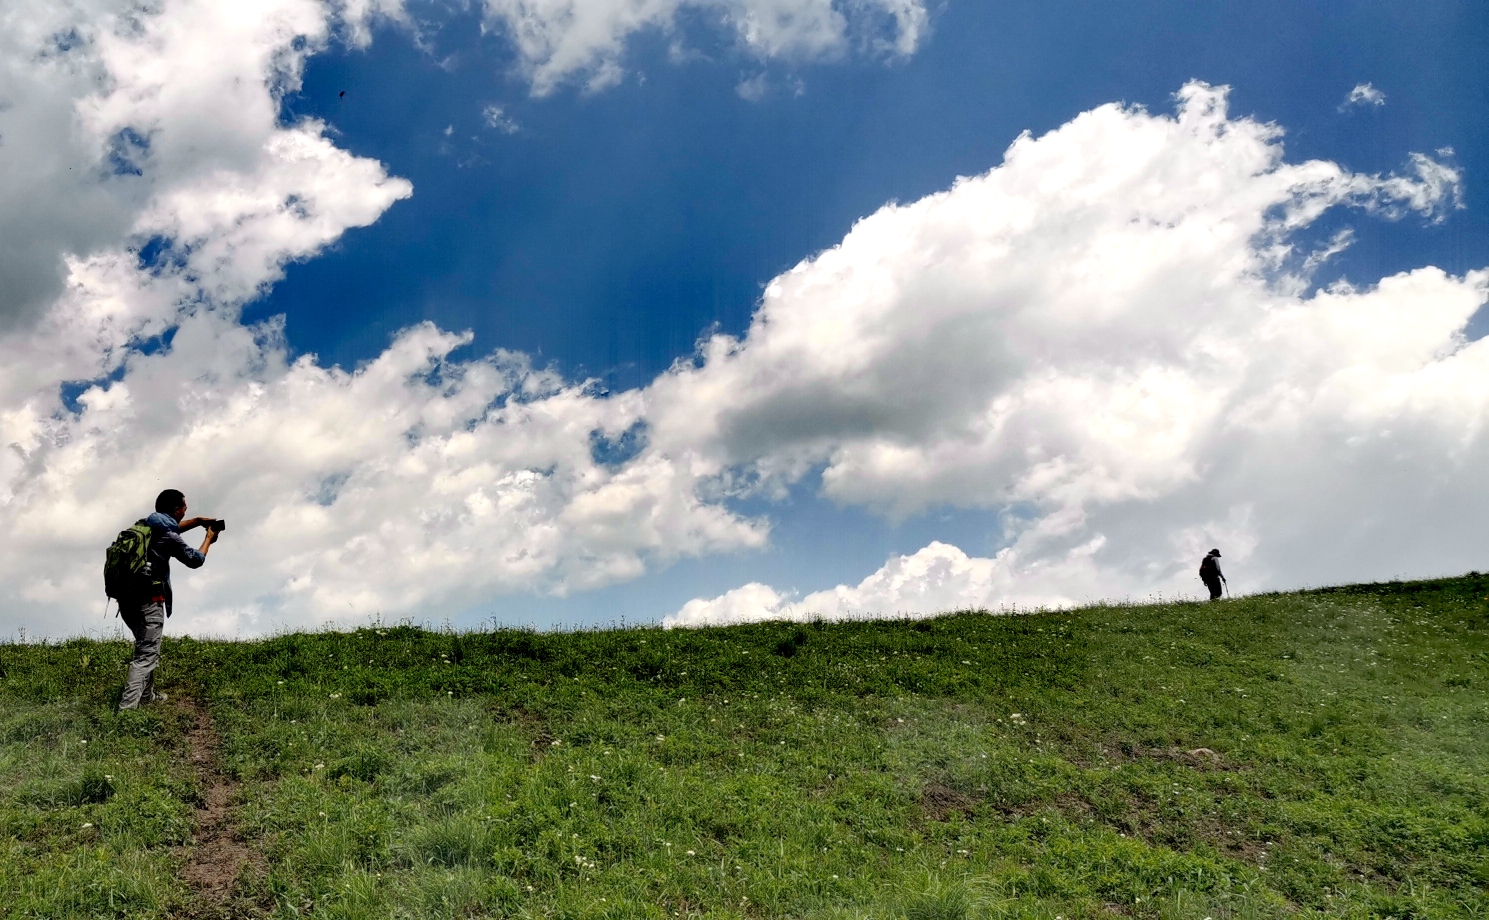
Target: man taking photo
[(145, 613)]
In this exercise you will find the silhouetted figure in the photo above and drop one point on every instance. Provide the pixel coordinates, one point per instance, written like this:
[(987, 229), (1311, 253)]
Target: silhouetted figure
[(1210, 574)]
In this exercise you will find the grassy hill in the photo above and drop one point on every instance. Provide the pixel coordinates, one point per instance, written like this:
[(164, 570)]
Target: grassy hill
[(1314, 753)]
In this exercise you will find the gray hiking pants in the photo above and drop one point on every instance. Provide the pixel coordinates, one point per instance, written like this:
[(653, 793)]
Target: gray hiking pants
[(147, 621)]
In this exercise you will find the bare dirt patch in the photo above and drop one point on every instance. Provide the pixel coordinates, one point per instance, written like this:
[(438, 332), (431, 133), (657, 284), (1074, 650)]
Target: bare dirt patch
[(217, 858), (939, 802)]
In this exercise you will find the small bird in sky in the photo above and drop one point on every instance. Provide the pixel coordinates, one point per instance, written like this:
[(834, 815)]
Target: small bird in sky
[(341, 95)]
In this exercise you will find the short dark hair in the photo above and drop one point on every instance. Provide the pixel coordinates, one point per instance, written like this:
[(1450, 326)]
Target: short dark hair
[(169, 501)]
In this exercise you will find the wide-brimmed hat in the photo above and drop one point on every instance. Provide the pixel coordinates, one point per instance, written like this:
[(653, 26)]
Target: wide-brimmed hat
[(1214, 552)]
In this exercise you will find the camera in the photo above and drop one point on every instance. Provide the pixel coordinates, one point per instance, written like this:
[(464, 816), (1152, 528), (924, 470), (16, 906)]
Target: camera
[(217, 526)]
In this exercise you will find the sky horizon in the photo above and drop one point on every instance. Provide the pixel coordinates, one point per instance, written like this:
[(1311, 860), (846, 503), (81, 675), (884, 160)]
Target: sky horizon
[(708, 311)]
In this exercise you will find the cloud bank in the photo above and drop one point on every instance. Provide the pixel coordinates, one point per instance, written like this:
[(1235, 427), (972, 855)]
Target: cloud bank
[(468, 477), (936, 579), (1110, 340), (941, 578)]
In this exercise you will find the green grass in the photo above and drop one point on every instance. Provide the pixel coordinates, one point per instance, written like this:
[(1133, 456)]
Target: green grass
[(873, 770)]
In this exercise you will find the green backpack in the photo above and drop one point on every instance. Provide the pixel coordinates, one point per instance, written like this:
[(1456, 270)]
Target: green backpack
[(126, 565)]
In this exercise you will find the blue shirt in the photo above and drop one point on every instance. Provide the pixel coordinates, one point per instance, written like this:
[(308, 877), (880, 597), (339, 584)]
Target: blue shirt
[(166, 544)]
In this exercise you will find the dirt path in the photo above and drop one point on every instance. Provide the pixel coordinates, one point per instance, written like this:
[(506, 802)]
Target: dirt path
[(216, 856)]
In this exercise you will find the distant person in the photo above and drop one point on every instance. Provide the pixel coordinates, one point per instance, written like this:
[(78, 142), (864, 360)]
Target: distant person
[(1210, 574), (145, 606)]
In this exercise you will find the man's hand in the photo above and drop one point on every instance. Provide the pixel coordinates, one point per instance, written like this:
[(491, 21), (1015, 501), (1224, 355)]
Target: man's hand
[(189, 523), (209, 539)]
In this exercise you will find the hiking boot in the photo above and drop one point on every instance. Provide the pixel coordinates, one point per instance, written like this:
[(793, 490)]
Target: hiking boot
[(157, 697)]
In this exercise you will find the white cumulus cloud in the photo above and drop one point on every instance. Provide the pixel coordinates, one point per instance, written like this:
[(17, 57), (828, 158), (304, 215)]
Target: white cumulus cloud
[(1110, 340), (1363, 94), (411, 481), (936, 579), (558, 40)]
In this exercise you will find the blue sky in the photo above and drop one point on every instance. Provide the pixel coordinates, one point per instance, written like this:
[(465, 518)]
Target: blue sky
[(1151, 330), (610, 230), (613, 228)]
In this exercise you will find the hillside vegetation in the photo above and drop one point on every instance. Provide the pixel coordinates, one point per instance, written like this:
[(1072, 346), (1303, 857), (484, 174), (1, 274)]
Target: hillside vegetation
[(1320, 753)]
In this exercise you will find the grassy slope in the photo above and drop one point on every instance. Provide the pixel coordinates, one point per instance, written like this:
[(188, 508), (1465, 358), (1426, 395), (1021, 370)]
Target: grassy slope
[(844, 770)]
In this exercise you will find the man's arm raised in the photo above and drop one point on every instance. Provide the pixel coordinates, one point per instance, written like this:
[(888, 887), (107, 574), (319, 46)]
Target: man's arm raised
[(178, 548)]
